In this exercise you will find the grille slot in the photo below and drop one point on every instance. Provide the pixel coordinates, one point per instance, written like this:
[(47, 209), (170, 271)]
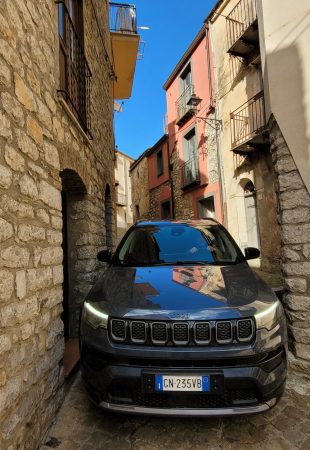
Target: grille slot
[(245, 330), (138, 331), (180, 333), (118, 330), (159, 332), (202, 333), (224, 332)]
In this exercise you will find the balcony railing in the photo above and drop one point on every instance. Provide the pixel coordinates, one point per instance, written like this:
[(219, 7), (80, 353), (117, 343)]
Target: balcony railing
[(239, 21), (190, 172), (75, 75), (185, 111), (123, 18), (248, 122), (121, 199)]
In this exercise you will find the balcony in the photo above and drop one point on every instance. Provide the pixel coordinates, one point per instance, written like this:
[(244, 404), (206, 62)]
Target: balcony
[(121, 199), (125, 46), (242, 31), (248, 125), (75, 75), (190, 173), (183, 110)]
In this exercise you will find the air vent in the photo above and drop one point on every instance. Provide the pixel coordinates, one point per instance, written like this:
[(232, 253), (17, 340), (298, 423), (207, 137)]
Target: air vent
[(245, 330), (118, 330), (138, 331), (180, 333), (159, 332), (223, 332), (202, 333)]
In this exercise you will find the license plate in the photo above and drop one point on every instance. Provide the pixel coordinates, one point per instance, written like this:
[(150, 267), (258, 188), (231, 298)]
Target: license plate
[(182, 383)]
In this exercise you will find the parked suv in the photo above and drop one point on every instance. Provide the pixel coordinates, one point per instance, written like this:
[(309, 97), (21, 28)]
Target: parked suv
[(180, 325)]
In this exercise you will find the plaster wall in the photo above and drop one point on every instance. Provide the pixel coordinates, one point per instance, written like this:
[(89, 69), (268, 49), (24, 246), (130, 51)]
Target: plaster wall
[(284, 37)]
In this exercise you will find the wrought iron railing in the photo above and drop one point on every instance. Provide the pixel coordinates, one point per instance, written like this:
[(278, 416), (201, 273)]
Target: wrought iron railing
[(75, 74), (123, 18), (239, 20), (183, 109), (248, 120), (121, 199), (190, 172)]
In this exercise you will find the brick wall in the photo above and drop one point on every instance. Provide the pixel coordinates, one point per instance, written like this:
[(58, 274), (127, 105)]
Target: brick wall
[(39, 141)]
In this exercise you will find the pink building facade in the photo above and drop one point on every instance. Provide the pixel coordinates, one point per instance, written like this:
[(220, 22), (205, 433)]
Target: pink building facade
[(192, 133)]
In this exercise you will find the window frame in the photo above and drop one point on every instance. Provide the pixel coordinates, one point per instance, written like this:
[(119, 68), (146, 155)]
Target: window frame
[(160, 167)]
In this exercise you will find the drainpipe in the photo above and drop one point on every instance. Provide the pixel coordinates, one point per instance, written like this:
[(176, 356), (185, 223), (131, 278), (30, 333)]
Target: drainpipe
[(216, 118)]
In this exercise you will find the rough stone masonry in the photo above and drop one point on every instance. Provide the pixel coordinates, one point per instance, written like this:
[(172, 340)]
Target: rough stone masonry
[(294, 221), (45, 157)]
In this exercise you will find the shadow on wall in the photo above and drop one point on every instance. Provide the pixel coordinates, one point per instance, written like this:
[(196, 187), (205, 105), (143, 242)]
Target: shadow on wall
[(284, 77)]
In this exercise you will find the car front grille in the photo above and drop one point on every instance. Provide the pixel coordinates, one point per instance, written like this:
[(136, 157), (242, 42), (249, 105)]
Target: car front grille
[(229, 398), (219, 332)]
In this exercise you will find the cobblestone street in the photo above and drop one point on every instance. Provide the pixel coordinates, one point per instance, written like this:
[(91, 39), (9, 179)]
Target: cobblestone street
[(80, 425)]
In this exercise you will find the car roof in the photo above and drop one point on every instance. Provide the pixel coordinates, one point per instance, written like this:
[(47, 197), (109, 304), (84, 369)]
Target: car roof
[(207, 221)]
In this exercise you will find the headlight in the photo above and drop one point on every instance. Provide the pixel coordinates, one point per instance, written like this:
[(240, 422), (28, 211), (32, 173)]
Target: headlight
[(269, 317), (94, 317)]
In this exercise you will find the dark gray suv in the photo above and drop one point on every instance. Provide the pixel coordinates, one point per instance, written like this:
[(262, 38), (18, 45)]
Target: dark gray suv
[(180, 325)]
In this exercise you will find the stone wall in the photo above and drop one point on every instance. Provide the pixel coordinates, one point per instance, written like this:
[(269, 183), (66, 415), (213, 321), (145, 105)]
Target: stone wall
[(140, 189), (155, 199), (39, 140), (183, 205), (294, 220)]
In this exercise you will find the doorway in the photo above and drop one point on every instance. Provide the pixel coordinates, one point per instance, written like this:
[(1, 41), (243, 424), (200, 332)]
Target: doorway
[(251, 215), (73, 193)]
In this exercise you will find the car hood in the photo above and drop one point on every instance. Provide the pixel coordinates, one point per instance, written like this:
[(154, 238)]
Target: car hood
[(181, 292)]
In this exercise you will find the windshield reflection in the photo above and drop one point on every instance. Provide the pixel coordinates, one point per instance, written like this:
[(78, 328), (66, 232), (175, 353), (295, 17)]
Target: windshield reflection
[(177, 244)]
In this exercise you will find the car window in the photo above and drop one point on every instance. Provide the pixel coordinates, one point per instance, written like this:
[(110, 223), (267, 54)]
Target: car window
[(177, 244)]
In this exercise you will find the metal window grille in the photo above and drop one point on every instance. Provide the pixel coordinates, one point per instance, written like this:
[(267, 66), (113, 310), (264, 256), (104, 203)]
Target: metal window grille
[(75, 74)]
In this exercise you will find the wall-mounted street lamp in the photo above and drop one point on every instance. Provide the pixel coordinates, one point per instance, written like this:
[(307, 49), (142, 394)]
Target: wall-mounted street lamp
[(194, 102)]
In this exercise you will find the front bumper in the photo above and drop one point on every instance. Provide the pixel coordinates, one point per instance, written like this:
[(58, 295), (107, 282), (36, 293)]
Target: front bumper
[(254, 375)]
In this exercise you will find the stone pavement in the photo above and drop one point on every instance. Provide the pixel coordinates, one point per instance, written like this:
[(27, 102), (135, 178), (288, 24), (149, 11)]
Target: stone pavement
[(81, 426)]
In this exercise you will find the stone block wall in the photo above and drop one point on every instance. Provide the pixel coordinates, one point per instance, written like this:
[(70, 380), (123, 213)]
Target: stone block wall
[(294, 221), (155, 199), (183, 205), (140, 189), (39, 141)]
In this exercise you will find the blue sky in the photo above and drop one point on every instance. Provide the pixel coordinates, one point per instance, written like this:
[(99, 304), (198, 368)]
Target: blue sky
[(173, 25)]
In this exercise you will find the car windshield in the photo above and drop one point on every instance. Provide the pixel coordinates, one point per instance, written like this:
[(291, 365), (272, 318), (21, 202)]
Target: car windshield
[(177, 244)]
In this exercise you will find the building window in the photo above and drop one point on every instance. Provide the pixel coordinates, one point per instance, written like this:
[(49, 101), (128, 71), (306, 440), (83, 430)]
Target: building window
[(75, 74), (190, 155), (160, 163), (137, 211), (185, 111), (186, 78), (165, 212), (206, 208)]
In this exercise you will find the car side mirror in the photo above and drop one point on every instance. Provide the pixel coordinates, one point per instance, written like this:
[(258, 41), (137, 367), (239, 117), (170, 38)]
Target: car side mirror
[(104, 256), (251, 253)]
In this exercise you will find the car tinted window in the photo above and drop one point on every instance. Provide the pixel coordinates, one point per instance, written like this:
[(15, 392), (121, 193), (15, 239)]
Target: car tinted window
[(177, 243)]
